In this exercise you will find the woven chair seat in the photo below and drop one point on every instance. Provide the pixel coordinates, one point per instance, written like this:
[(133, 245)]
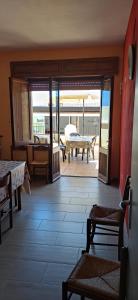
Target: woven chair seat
[(109, 218), (97, 277), (105, 215), (37, 158)]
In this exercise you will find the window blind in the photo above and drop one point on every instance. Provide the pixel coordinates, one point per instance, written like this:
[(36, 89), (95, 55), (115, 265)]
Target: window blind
[(40, 85), (81, 84)]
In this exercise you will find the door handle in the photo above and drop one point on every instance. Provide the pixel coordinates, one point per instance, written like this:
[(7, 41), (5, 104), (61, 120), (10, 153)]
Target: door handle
[(125, 203), (130, 207)]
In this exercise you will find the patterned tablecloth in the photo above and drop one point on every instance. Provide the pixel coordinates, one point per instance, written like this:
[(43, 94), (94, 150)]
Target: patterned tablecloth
[(17, 171), (78, 142)]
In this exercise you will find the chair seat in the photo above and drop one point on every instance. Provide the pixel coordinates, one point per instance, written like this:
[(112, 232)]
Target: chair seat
[(95, 277), (105, 215)]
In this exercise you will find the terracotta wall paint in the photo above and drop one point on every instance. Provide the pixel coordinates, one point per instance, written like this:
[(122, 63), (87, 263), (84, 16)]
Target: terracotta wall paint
[(7, 56), (128, 89)]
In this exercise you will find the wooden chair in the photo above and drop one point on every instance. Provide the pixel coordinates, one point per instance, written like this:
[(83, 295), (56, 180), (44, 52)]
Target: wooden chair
[(105, 218), (63, 149), (93, 145), (74, 134), (97, 278), (37, 158), (5, 202), (36, 139)]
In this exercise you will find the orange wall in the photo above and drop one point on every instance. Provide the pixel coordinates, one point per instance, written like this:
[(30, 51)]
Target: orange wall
[(128, 99), (7, 56)]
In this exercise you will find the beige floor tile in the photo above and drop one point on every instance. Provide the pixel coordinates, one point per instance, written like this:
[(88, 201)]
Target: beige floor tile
[(79, 167)]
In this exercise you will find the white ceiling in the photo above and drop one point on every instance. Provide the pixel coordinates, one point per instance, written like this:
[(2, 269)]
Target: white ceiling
[(58, 23)]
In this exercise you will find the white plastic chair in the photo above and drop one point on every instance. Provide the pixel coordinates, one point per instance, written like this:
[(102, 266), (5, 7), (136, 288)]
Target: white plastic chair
[(70, 128)]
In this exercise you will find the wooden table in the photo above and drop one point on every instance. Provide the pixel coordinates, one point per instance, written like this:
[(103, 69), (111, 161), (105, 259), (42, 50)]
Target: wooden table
[(16, 169), (78, 142)]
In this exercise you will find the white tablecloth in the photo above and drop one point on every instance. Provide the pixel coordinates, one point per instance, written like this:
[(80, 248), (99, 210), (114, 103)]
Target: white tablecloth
[(17, 171), (78, 142)]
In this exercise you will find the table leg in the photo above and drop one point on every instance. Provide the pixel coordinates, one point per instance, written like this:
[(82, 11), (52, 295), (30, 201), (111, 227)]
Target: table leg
[(87, 155), (15, 198), (72, 152), (10, 207), (19, 197), (69, 157)]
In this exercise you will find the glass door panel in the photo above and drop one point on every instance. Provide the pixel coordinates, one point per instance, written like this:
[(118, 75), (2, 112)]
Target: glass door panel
[(105, 118), (104, 146), (20, 111), (40, 96), (55, 115), (54, 130)]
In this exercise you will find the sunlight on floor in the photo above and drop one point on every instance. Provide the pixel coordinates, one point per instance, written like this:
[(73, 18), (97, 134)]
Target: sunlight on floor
[(79, 167)]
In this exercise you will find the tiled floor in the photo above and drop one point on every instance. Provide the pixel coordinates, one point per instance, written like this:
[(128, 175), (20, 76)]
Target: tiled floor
[(48, 236), (79, 167)]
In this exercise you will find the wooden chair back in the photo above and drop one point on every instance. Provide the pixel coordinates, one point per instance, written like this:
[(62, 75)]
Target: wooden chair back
[(36, 139), (38, 160), (37, 153)]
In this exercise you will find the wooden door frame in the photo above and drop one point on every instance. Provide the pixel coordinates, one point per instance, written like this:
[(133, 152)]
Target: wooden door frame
[(52, 178), (110, 117), (110, 128), (100, 66)]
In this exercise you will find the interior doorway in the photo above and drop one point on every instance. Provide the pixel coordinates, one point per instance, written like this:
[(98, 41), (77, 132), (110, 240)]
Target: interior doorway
[(85, 126), (80, 107), (80, 121)]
